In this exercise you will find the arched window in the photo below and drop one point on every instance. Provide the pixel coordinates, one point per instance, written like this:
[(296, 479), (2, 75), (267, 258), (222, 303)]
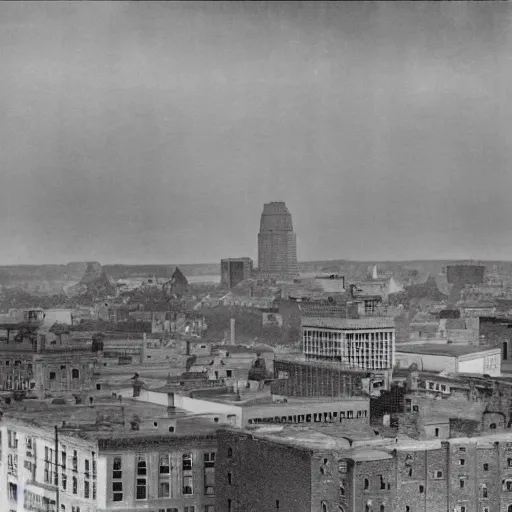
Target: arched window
[(509, 509), (366, 483), (382, 508), (484, 491), (492, 426), (75, 374), (324, 506)]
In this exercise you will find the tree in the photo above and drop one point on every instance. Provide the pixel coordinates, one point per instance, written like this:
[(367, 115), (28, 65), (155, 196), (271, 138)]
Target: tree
[(59, 329), (97, 342)]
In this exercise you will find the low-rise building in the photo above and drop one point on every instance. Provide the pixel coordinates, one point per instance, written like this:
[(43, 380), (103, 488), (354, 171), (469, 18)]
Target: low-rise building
[(235, 270), (451, 358), (244, 408), (233, 363), (40, 362)]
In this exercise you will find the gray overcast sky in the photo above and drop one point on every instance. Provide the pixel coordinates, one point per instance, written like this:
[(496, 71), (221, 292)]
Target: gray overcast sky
[(154, 132)]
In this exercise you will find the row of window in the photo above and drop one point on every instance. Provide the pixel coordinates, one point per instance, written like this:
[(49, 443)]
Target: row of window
[(321, 417), (75, 374), (164, 470), (164, 464), (189, 508), (319, 335), (382, 484), (17, 364)]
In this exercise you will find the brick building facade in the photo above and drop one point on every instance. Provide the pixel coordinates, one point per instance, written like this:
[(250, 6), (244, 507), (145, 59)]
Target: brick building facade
[(256, 473)]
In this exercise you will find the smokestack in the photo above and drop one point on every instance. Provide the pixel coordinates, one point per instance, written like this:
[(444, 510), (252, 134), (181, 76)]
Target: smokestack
[(232, 331)]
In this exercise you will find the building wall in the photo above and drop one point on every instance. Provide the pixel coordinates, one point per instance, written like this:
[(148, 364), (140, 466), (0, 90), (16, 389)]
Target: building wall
[(262, 474), (335, 284), (25, 466), (232, 413), (234, 271), (177, 476), (378, 473), (370, 348), (329, 484), (415, 477), (62, 316), (347, 412), (427, 362), (64, 372), (47, 372)]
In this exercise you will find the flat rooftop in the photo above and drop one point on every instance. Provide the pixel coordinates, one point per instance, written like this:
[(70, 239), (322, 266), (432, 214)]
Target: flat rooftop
[(241, 349), (368, 446), (108, 417), (349, 323), (435, 349), (258, 400)]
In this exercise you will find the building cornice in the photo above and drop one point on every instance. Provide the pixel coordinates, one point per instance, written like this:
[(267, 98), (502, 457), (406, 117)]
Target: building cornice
[(121, 443)]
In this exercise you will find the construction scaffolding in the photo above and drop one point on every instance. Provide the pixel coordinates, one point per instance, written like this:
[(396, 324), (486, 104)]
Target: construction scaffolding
[(325, 379)]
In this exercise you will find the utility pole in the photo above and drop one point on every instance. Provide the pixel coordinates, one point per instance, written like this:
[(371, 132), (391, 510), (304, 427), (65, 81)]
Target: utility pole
[(57, 467)]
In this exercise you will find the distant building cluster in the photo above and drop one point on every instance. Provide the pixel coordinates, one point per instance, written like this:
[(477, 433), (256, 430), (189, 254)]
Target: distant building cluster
[(391, 395)]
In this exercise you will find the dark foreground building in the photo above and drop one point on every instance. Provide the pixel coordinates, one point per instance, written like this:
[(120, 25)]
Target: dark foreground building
[(311, 470)]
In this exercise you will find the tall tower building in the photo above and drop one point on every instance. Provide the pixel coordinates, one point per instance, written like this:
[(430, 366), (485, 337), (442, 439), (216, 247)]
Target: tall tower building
[(277, 243)]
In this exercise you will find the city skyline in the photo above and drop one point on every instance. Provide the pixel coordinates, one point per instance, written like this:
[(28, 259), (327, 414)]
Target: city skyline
[(151, 132)]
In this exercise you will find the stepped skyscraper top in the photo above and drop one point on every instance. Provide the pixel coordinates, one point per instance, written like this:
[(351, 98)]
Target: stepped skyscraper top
[(277, 243), (276, 217)]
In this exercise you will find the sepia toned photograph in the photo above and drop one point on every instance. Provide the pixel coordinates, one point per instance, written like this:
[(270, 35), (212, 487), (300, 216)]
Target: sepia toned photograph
[(256, 256)]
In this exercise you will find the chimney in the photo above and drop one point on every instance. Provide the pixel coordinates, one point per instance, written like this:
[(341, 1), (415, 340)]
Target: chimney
[(232, 331)]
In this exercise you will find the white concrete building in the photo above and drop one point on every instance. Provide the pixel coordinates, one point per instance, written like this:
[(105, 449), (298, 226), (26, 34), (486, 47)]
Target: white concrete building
[(361, 343), (450, 358), (254, 407)]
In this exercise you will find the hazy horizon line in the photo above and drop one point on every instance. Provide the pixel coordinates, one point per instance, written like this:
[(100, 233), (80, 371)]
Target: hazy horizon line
[(369, 262)]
